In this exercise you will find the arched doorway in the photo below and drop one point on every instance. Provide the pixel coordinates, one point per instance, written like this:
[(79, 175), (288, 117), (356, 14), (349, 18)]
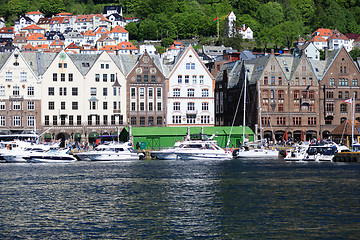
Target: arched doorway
[(279, 135), (268, 135), (310, 135), (63, 137), (77, 137), (93, 136), (325, 134)]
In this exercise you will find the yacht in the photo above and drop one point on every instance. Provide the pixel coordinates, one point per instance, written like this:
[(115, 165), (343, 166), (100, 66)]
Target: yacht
[(256, 150), (111, 151), (167, 154), (50, 156), (298, 152), (200, 147), (324, 152)]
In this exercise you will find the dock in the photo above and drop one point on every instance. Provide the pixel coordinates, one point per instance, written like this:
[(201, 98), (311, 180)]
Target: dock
[(347, 157)]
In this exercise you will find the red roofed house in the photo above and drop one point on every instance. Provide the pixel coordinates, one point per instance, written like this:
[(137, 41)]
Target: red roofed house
[(88, 49), (319, 42), (173, 50), (104, 40), (33, 29), (19, 40), (35, 15), (90, 37), (42, 47), (44, 23), (336, 41), (7, 32), (72, 48), (109, 48), (127, 48), (246, 32), (28, 48), (119, 34), (325, 33), (57, 43), (101, 31), (36, 39)]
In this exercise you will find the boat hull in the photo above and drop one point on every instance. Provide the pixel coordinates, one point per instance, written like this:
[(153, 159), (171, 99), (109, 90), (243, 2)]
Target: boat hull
[(258, 154), (107, 157), (164, 155)]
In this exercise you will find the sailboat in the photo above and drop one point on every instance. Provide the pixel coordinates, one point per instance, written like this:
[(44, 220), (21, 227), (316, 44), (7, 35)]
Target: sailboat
[(255, 149)]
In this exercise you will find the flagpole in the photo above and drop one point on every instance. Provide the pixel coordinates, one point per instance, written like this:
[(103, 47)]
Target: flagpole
[(218, 28)]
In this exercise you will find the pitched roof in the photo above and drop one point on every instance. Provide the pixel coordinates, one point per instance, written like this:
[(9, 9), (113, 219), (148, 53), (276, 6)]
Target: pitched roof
[(317, 39), (44, 20), (89, 33), (57, 42), (42, 46), (7, 30), (109, 48), (127, 46), (36, 37), (338, 36), (34, 13), (352, 35), (119, 29), (29, 47), (346, 128), (72, 46), (33, 26), (64, 14), (323, 32), (102, 30)]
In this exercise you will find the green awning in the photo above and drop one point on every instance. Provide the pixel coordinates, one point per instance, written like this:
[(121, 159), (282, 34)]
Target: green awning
[(93, 135), (77, 135), (47, 135)]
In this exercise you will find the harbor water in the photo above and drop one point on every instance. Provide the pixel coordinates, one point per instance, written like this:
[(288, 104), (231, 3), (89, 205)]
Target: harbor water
[(154, 199)]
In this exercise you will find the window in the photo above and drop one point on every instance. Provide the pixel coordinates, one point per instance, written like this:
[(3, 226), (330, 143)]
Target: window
[(297, 81), (78, 120), (55, 120), (151, 106), (16, 90), (142, 106), (190, 92), (31, 121), (2, 105), (296, 94), (142, 93), (266, 81), (152, 78), (357, 108), (355, 82), (205, 92), (280, 107), (265, 94), (272, 80), (176, 119), (54, 77), (62, 77), (23, 76), (47, 121), (107, 66), (265, 121), (142, 120), (30, 91), (132, 93), (93, 91), (346, 94), (104, 77), (190, 118), (92, 105), (62, 91), (331, 81), (176, 106), (74, 91), (201, 79), (138, 78), (205, 119), (159, 120), (281, 94), (90, 120), (97, 77), (17, 106), (105, 91), (205, 106), (311, 94), (329, 94), (296, 121), (97, 120), (133, 106), (281, 121), (71, 120), (133, 121), (158, 92), (146, 78), (312, 107), (2, 121), (51, 105), (31, 105), (340, 95), (150, 93), (102, 66), (112, 77), (190, 66), (176, 92), (159, 106), (303, 81), (312, 121), (343, 108), (8, 76), (187, 79), (71, 77), (2, 90), (74, 106), (17, 121), (329, 107), (279, 81), (191, 106), (296, 107)]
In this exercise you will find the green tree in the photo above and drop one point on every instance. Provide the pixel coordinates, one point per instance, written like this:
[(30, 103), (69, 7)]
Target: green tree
[(270, 14), (52, 7), (17, 7), (355, 53), (166, 42), (147, 29), (133, 30)]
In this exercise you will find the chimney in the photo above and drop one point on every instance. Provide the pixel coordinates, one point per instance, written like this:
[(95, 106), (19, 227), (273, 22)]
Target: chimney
[(326, 52)]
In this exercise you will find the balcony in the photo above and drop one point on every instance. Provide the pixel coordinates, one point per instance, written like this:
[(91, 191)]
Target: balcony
[(116, 111), (16, 97), (191, 112)]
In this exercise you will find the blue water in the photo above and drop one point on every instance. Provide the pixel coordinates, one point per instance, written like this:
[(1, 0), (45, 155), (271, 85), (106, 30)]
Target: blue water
[(154, 199)]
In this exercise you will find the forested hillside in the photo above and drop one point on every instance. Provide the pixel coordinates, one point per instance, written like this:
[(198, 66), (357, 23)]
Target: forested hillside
[(277, 23)]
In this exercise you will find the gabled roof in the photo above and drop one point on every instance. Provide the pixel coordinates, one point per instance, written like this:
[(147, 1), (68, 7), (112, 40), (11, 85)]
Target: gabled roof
[(34, 13), (346, 128), (29, 47), (64, 14), (330, 60), (87, 47), (36, 37), (109, 48), (105, 38), (57, 20), (57, 42), (33, 27), (19, 38), (84, 62), (352, 35), (72, 46), (44, 20), (102, 30), (119, 30), (338, 36), (322, 32), (317, 39), (89, 33), (127, 46), (7, 30), (42, 46)]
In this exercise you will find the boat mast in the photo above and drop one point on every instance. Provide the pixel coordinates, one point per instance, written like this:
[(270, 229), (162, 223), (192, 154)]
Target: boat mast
[(244, 122), (353, 119), (259, 103)]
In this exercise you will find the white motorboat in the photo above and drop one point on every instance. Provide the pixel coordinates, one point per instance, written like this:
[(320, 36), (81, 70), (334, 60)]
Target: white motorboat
[(256, 153), (203, 148), (297, 153), (167, 154), (17, 154), (325, 152), (111, 151), (50, 156)]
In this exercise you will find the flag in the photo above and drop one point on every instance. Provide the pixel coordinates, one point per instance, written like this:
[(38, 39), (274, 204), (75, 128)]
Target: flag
[(216, 19), (348, 101), (307, 89)]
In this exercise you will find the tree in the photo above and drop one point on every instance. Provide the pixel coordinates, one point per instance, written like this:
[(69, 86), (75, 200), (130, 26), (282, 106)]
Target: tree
[(270, 14), (147, 29), (355, 53), (52, 7), (17, 7), (166, 42), (133, 30)]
